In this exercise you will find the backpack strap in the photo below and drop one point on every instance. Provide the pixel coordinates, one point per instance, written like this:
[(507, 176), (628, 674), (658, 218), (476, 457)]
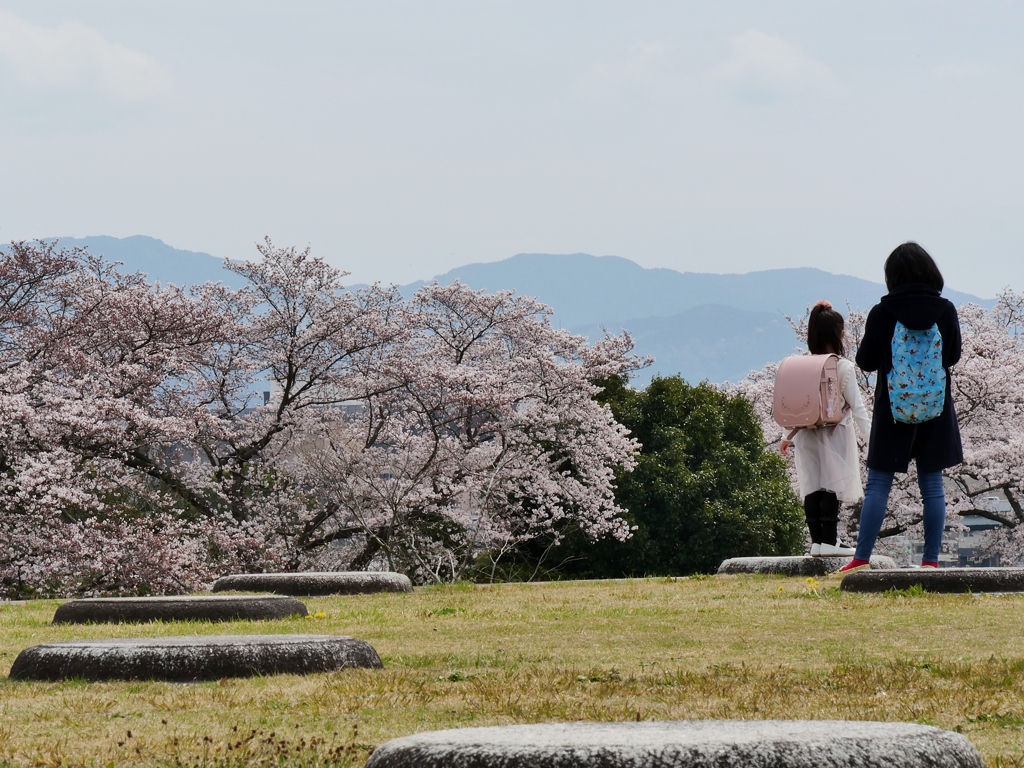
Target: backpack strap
[(844, 378)]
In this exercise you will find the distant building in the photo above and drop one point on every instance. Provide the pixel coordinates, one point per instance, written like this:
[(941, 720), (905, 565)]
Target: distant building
[(971, 545)]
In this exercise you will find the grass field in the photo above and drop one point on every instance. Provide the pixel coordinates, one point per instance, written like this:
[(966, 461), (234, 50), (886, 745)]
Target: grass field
[(722, 647)]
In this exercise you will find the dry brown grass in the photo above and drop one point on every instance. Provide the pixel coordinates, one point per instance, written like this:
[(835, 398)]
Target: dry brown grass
[(732, 647)]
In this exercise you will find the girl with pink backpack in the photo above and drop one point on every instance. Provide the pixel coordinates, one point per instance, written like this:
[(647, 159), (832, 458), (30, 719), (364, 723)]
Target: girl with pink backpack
[(827, 457)]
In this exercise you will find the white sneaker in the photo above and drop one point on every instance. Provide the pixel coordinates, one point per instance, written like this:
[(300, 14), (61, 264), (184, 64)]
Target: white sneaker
[(837, 550), (815, 550)]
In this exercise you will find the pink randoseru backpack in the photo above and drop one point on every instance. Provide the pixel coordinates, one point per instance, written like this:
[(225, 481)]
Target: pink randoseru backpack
[(807, 392)]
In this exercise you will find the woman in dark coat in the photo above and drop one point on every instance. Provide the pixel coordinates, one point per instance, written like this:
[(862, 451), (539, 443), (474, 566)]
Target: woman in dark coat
[(914, 299)]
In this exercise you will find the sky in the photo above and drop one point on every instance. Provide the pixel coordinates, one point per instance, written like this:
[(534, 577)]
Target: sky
[(402, 139)]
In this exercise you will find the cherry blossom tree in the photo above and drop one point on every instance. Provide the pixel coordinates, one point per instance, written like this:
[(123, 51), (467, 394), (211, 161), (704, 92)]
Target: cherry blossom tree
[(88, 364), (137, 454), (296, 329), (990, 408), (485, 435)]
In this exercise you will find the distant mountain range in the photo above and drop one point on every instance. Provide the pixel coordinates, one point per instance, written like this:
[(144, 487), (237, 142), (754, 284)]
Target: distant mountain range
[(585, 289), (158, 260), (700, 325)]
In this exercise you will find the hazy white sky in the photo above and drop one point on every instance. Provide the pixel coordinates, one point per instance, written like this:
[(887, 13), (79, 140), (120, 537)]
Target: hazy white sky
[(401, 139)]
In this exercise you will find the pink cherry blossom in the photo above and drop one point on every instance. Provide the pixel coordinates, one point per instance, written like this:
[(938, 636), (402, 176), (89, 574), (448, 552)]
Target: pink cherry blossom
[(137, 453)]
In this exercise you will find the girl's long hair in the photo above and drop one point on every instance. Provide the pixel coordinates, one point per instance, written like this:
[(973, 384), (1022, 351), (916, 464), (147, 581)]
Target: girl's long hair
[(910, 263), (825, 329)]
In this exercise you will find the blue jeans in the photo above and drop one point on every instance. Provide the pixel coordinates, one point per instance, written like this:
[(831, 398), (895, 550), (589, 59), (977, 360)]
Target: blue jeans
[(876, 499)]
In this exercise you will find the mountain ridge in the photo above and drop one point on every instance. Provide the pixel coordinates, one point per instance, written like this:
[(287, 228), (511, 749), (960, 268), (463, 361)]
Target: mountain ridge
[(156, 259), (652, 292)]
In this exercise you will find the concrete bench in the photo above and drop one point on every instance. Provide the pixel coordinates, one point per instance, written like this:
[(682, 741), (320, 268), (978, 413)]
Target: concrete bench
[(123, 610), (185, 659), (683, 744), (937, 580), (312, 583), (796, 566)]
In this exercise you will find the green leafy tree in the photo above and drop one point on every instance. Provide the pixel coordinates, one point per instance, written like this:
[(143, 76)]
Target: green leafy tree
[(704, 489)]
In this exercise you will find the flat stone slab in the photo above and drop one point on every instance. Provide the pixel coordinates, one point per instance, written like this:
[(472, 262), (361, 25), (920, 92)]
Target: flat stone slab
[(312, 583), (186, 659), (797, 566), (683, 744), (937, 580), (123, 610)]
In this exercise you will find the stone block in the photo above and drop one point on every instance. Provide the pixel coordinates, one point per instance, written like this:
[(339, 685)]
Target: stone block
[(313, 583), (937, 580), (123, 610), (796, 566), (186, 659), (683, 744)]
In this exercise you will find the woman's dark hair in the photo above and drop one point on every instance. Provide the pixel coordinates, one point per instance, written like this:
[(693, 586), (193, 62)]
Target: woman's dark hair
[(825, 329), (910, 263)]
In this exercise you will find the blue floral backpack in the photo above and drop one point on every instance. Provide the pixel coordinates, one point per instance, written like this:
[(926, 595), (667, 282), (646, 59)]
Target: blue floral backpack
[(917, 381)]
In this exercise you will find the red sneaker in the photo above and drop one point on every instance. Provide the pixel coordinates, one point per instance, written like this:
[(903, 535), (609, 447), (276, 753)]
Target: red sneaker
[(853, 566), (929, 564)]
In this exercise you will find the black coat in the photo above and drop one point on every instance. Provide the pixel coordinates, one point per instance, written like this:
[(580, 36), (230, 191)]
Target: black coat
[(936, 443)]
